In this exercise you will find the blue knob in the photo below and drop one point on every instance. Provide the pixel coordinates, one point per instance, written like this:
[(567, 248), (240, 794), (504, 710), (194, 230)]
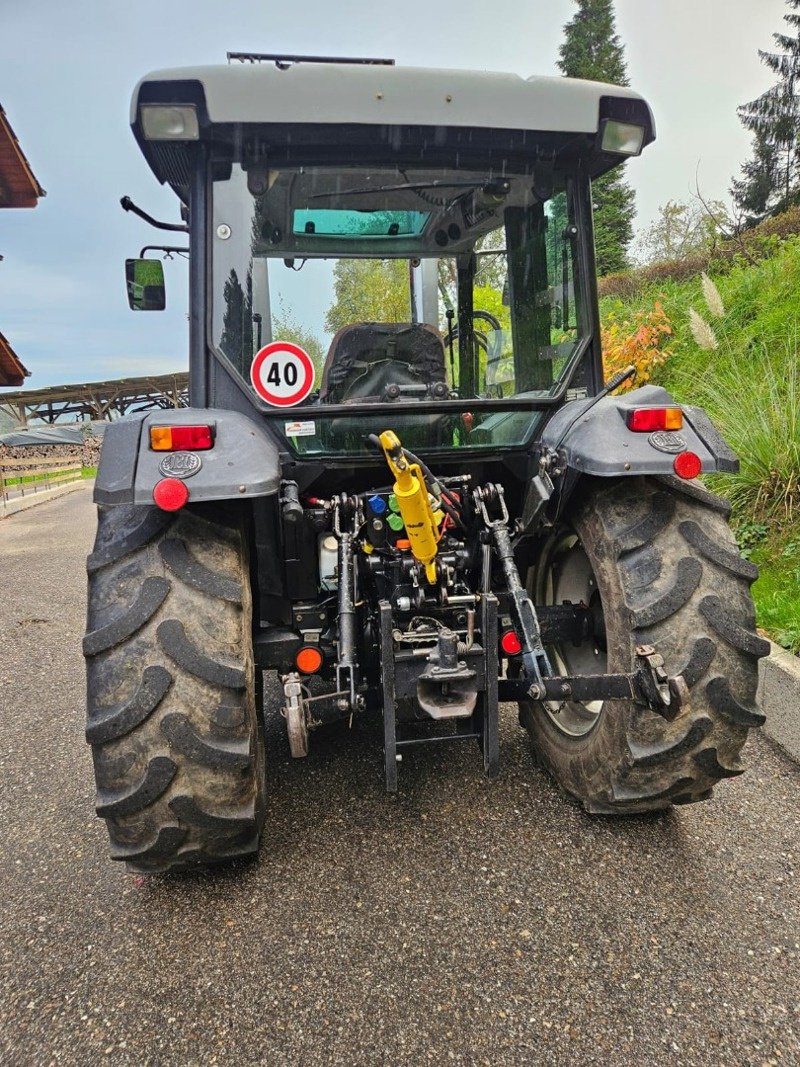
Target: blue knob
[(377, 504)]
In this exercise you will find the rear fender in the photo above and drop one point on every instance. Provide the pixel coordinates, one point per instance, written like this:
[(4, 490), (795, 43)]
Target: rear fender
[(599, 442), (244, 461)]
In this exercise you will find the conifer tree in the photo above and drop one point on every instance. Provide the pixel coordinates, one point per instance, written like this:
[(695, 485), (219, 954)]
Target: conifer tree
[(771, 179), (592, 49)]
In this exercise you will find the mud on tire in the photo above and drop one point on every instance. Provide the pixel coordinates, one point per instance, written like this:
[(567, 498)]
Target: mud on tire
[(171, 715), (669, 574)]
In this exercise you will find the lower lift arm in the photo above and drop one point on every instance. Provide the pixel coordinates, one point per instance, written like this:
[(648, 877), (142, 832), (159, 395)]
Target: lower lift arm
[(647, 685)]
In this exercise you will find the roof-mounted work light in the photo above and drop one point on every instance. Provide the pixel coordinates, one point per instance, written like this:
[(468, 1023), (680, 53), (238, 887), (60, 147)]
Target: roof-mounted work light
[(621, 138), (170, 122)]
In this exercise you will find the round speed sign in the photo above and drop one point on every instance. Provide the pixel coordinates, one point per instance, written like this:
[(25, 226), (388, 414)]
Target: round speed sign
[(282, 374)]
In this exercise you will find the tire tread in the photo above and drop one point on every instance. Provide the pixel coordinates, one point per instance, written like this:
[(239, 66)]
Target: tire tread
[(167, 647)]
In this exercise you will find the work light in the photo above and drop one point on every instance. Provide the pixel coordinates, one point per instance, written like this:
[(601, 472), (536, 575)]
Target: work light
[(163, 122), (621, 138)]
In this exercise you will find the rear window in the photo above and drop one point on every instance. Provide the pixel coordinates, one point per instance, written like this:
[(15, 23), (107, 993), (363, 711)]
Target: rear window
[(323, 222)]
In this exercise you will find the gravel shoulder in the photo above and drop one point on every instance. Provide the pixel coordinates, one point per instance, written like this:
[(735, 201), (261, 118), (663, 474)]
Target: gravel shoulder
[(462, 921)]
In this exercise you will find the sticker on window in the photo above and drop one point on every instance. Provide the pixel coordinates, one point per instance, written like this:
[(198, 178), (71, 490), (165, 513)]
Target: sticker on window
[(300, 429)]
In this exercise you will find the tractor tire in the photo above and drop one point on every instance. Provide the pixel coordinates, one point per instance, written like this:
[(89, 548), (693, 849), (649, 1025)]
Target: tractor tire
[(667, 572), (171, 715)]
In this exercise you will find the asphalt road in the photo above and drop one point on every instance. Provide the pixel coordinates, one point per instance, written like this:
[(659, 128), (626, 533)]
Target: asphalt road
[(461, 922)]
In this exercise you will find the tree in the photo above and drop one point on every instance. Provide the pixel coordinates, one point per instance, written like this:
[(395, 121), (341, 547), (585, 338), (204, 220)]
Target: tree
[(770, 181), (286, 328), (754, 194), (592, 49), (369, 290), (237, 324), (685, 229)]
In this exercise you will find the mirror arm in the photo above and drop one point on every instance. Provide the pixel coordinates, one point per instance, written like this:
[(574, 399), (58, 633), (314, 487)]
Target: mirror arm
[(128, 205), (163, 248)]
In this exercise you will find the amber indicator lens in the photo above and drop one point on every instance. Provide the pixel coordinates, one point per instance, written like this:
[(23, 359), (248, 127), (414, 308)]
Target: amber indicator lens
[(647, 420), (181, 438)]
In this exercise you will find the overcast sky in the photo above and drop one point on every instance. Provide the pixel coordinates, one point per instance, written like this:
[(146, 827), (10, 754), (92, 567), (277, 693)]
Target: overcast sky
[(67, 70)]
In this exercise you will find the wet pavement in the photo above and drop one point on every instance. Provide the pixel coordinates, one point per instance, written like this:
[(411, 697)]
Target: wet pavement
[(463, 921)]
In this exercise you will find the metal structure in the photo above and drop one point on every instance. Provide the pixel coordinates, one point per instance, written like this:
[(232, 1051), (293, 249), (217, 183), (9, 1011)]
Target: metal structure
[(97, 400), (282, 61)]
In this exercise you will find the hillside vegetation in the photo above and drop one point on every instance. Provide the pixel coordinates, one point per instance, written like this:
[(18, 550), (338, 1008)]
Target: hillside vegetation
[(730, 341)]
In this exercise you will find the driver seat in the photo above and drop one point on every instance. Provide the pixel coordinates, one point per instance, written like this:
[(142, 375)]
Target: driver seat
[(366, 357)]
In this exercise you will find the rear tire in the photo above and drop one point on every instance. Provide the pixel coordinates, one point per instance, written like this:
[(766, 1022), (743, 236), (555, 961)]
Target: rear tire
[(171, 715), (669, 574)]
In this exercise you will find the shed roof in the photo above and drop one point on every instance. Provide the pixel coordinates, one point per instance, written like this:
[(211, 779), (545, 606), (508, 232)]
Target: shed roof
[(18, 184), (12, 372)]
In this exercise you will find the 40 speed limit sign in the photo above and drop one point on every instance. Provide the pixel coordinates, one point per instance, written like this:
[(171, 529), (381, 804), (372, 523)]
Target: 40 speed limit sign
[(282, 374)]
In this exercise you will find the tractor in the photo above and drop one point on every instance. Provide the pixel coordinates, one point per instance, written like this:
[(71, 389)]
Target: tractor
[(401, 488)]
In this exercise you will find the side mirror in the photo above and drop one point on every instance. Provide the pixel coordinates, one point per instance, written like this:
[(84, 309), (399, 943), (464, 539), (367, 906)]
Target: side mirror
[(145, 282)]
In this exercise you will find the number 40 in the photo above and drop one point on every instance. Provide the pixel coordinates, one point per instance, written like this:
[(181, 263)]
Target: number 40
[(289, 374)]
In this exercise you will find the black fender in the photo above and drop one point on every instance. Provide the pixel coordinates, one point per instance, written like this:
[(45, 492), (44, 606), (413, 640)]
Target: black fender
[(243, 462), (599, 442)]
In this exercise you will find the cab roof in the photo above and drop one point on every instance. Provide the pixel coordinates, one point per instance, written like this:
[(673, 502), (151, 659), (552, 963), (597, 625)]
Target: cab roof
[(333, 94), (398, 96)]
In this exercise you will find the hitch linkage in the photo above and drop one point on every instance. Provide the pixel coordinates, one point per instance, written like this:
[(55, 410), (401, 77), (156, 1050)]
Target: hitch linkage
[(534, 656), (648, 685), (347, 675)]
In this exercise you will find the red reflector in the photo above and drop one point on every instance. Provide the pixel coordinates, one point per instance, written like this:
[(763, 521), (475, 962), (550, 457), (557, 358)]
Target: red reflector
[(308, 659), (510, 643), (687, 465), (170, 494), (647, 420)]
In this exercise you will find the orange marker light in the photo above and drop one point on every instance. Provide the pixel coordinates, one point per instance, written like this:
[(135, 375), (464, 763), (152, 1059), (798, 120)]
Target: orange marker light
[(308, 659)]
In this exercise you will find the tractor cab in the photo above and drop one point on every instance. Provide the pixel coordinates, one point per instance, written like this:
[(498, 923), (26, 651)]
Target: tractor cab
[(423, 238)]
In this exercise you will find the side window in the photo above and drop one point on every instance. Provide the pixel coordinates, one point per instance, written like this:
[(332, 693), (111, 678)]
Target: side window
[(545, 315), (562, 294), (515, 316)]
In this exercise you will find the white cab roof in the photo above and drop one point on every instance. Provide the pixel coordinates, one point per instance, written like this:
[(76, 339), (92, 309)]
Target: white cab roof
[(339, 93)]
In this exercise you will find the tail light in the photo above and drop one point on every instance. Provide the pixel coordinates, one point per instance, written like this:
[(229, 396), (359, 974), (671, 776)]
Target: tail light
[(181, 438), (647, 420)]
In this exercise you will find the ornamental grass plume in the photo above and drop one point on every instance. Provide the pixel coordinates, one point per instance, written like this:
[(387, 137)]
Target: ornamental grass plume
[(765, 434), (711, 294), (702, 332)]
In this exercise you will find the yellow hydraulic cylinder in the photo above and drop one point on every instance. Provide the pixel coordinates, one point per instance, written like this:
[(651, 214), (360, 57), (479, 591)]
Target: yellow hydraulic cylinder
[(415, 507)]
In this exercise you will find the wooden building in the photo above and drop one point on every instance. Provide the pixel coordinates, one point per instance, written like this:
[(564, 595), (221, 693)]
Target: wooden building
[(18, 188)]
